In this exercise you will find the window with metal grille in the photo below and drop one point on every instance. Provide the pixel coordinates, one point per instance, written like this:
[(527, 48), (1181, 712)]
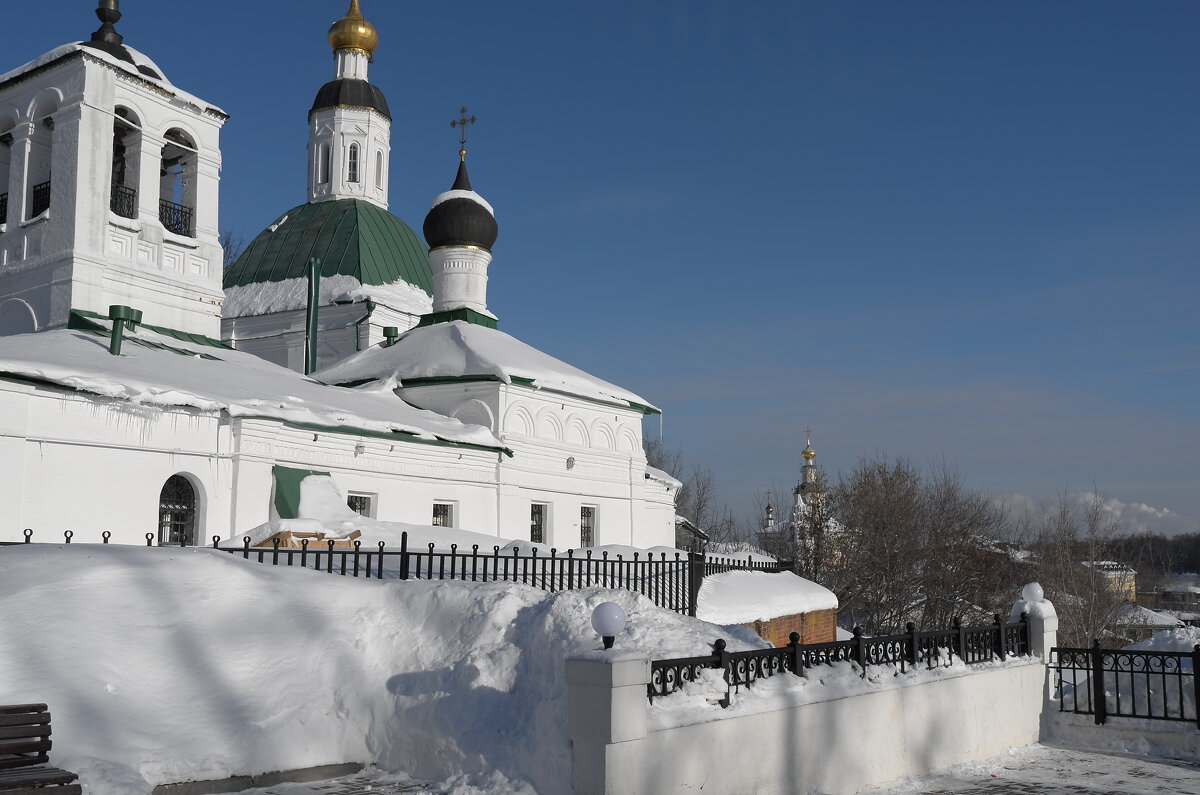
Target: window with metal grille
[(443, 514), (537, 522), (177, 512), (587, 526), (352, 164), (361, 504)]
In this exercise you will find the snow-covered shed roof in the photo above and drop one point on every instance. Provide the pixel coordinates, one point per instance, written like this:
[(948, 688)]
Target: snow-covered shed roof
[(740, 597), (458, 350), (158, 369)]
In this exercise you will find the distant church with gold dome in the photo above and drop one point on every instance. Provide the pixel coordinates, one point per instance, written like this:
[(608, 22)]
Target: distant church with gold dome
[(183, 401)]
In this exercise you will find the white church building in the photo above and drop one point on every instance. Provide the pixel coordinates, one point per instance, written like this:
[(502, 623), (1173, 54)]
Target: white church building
[(147, 394)]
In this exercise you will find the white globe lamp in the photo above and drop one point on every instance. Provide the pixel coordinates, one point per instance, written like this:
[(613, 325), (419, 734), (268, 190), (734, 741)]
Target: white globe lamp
[(608, 619)]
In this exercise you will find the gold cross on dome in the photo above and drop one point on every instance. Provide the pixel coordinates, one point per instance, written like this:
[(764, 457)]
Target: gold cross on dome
[(461, 122)]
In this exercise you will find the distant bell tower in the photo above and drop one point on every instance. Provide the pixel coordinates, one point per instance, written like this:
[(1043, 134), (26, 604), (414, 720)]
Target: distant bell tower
[(350, 126), (108, 190), (810, 493)]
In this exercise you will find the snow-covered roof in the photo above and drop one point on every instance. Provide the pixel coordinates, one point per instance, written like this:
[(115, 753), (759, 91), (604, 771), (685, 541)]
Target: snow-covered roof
[(1137, 616), (458, 349), (665, 478), (739, 597), (155, 369), (1109, 566), (139, 59), (263, 298)]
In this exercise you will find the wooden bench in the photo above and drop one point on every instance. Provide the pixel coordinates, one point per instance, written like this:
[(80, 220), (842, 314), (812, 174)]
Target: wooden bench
[(24, 747)]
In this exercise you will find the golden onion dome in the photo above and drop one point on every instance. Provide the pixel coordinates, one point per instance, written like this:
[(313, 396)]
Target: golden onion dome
[(352, 32), (808, 453)]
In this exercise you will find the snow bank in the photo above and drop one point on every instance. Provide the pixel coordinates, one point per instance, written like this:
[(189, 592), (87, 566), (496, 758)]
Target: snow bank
[(458, 349), (1138, 616), (217, 379), (165, 664), (740, 597), (1183, 639)]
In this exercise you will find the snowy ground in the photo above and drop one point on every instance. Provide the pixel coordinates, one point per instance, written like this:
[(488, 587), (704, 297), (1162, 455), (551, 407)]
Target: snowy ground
[(1043, 769)]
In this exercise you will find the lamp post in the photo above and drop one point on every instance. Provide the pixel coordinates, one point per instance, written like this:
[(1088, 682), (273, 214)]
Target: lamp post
[(608, 619)]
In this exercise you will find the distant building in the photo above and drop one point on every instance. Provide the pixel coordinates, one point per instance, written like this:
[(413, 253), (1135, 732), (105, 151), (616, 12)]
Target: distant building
[(1119, 579)]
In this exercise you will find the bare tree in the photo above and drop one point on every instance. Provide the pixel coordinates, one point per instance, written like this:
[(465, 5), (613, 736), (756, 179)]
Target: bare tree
[(697, 498), (1072, 540), (898, 545), (231, 246)]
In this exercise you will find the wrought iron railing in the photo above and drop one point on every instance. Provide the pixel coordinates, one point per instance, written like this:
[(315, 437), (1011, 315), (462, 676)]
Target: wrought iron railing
[(913, 649), (670, 581), (40, 199), (3, 208), (1127, 683), (123, 201), (175, 217)]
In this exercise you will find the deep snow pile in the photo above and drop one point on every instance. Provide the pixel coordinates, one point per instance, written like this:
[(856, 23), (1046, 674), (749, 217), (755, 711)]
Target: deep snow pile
[(164, 664), (1183, 639)]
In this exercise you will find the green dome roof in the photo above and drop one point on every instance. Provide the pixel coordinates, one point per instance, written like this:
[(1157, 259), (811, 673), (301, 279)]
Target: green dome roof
[(349, 236)]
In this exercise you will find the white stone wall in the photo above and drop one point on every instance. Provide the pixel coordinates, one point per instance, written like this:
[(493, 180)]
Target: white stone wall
[(839, 746), (78, 254), (568, 452), (343, 329)]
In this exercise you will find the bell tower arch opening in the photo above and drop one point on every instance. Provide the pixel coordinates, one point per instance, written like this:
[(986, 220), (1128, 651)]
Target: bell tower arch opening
[(177, 183)]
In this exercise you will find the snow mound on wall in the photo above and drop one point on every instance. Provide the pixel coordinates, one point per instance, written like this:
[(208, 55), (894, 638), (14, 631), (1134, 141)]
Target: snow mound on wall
[(740, 597), (164, 664)]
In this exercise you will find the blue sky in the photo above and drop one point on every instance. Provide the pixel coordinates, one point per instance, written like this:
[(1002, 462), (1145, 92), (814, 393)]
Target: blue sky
[(960, 232)]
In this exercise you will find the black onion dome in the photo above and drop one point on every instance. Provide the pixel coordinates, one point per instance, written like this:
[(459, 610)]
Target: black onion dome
[(460, 220), (352, 92)]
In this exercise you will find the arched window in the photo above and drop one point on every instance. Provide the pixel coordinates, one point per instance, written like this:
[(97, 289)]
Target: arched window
[(41, 156), (177, 512), (352, 164), (323, 162), (8, 120), (379, 170), (177, 183), (127, 143)]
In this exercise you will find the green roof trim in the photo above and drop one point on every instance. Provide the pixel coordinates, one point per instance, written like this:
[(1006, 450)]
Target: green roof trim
[(84, 320), (464, 314), (287, 489), (351, 237)]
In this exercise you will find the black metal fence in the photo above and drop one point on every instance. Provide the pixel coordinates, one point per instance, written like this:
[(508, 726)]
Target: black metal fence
[(1126, 683), (913, 649), (40, 199), (672, 582), (176, 218), (123, 201)]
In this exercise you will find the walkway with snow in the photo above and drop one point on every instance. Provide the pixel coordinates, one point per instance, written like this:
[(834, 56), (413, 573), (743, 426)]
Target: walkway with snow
[(1037, 769), (1044, 769)]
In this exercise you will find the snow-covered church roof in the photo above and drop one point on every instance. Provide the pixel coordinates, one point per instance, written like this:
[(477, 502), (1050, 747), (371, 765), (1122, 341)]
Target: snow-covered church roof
[(462, 350), (157, 369)]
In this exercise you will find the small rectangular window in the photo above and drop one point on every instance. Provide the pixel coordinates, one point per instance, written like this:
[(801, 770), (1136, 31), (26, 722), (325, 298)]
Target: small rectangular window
[(587, 526), (537, 522), (352, 164), (443, 514), (361, 504), (323, 169)]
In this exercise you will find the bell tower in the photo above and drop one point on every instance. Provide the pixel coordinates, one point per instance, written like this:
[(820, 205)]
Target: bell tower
[(350, 126), (108, 190)]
